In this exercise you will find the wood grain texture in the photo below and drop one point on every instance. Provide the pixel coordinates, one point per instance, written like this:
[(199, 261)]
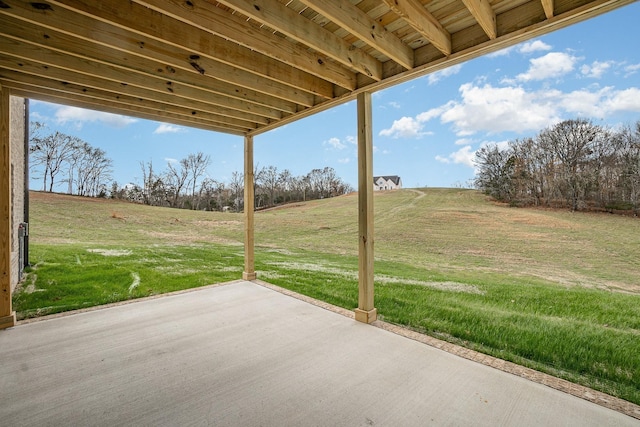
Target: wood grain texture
[(6, 311)]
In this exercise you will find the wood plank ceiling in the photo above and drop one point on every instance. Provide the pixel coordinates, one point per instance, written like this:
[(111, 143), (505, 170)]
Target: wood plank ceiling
[(247, 66)]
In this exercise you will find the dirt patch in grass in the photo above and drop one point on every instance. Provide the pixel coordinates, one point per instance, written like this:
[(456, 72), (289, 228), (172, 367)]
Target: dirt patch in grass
[(215, 224), (110, 252), (188, 238)]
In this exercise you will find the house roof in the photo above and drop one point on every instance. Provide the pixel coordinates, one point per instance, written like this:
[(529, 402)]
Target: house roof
[(248, 66), (393, 178)]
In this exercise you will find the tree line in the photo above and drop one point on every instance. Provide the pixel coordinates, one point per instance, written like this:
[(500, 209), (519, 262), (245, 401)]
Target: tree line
[(575, 164), (185, 184), (60, 159)]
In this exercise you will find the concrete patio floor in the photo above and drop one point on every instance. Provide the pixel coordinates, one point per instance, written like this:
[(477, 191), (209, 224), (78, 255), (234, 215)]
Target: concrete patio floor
[(245, 355)]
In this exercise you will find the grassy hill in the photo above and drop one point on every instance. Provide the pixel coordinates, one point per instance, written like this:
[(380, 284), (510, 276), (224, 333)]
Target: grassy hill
[(553, 290), (461, 232)]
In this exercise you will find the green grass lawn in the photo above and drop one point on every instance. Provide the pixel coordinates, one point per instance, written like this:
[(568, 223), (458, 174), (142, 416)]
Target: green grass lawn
[(552, 290)]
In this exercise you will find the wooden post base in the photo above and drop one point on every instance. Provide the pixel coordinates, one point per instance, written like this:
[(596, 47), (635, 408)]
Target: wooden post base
[(8, 321), (249, 276), (366, 316)]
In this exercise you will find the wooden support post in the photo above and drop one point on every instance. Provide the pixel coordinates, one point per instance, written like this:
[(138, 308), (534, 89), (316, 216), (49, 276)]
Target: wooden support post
[(249, 201), (365, 312), (7, 315)]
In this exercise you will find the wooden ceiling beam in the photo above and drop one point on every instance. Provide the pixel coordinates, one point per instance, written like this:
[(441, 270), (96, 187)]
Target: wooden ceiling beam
[(124, 103), (192, 72), (286, 21), (358, 23), (92, 105), (252, 56), (69, 66), (44, 71), (419, 18), (298, 67), (548, 5), (484, 14)]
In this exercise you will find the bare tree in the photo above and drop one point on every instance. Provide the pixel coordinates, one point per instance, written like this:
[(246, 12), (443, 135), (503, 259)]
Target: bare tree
[(286, 183), (495, 171), (572, 142), (270, 180), (236, 186), (52, 152), (627, 143), (93, 171), (195, 166), (176, 179)]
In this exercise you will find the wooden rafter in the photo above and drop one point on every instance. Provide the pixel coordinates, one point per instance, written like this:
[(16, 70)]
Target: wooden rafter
[(294, 25), (188, 72), (484, 14), (96, 74), (419, 18), (303, 71), (548, 5), (358, 23)]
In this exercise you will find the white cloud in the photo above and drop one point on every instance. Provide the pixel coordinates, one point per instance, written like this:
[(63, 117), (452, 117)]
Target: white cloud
[(344, 160), (37, 117), (623, 100), (502, 52), (533, 46), (335, 143), (602, 102), (463, 141), (463, 156), (167, 128), (404, 127), (434, 112), (78, 116), (514, 108), (439, 75), (499, 109), (524, 48), (631, 69), (170, 160), (551, 65), (596, 70)]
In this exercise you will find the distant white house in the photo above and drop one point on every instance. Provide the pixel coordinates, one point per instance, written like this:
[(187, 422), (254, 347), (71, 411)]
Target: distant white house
[(391, 182)]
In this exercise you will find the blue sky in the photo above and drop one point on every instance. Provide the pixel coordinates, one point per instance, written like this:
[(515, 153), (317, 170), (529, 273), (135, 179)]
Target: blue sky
[(426, 130)]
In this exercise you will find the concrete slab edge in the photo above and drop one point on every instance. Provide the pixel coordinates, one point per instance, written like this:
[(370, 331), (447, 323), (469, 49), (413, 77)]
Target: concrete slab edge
[(119, 303), (583, 392)]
